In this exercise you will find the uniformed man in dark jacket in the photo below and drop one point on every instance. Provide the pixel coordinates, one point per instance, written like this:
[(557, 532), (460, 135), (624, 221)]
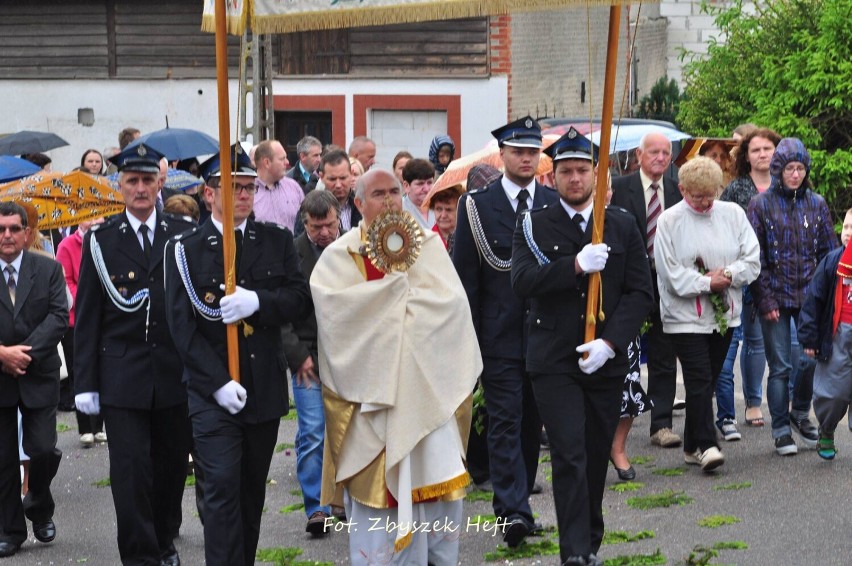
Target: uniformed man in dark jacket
[(126, 366), (579, 400), (235, 425), (482, 257)]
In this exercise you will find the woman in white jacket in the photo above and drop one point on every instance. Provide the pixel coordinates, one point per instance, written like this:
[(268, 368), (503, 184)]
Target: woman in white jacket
[(706, 251)]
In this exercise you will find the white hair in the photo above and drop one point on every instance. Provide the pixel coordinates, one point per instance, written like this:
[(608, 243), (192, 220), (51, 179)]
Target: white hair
[(644, 141)]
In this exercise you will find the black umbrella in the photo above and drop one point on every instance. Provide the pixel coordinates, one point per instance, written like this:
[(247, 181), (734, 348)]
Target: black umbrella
[(26, 141)]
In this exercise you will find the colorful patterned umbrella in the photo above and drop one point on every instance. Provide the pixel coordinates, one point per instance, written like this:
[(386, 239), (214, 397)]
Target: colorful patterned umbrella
[(65, 199)]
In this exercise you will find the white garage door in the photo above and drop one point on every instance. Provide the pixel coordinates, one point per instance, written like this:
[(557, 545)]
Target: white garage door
[(409, 130)]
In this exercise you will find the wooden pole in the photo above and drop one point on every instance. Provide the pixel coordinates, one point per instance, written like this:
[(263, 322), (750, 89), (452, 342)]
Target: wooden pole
[(593, 309), (228, 244)]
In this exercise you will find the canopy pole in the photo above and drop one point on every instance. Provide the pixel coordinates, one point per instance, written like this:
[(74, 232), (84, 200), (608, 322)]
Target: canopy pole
[(227, 189), (594, 306)]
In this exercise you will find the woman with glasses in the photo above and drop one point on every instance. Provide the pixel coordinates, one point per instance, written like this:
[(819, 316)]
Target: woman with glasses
[(706, 251)]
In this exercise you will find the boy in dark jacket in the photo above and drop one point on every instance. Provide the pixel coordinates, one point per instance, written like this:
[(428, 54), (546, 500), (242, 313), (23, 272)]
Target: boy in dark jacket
[(825, 332)]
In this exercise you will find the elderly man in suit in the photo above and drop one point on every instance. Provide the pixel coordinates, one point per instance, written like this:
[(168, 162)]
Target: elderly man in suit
[(322, 227), (234, 424), (126, 367), (33, 319), (482, 257), (579, 399), (646, 194)]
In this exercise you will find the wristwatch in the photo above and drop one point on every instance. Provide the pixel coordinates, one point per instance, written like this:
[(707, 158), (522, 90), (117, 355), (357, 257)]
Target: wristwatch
[(727, 273)]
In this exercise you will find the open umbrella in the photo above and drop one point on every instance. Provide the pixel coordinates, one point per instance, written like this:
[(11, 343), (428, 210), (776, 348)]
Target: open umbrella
[(176, 180), (65, 199), (27, 141), (178, 143), (456, 173), (627, 137), (12, 168)]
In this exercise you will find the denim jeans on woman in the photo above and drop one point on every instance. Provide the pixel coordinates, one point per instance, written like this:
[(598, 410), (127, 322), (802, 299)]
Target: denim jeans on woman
[(780, 357), (752, 364)]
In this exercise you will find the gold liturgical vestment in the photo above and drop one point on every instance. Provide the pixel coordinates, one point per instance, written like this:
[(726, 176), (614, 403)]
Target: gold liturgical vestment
[(398, 358)]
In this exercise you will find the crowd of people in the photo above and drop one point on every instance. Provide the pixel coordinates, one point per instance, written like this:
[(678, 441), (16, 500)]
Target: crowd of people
[(738, 256)]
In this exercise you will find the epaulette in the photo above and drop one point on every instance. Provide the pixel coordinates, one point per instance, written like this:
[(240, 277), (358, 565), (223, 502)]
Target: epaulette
[(537, 209), (617, 209), (109, 222), (185, 235), (477, 191), (275, 225)]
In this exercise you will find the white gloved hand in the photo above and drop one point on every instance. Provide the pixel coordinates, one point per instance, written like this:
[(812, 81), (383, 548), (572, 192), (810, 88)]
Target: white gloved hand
[(231, 397), (240, 304), (592, 258), (599, 352), (88, 403)]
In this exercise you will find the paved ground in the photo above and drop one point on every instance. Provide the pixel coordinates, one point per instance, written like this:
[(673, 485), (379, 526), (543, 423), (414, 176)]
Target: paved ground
[(790, 510)]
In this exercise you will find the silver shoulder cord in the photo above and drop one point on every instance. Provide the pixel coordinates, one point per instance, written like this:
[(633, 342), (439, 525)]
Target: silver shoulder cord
[(528, 236), (134, 303), (183, 269), (479, 238)]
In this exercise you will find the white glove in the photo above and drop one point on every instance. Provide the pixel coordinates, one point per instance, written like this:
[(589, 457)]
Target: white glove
[(592, 258), (88, 403), (240, 304), (599, 352), (231, 397)]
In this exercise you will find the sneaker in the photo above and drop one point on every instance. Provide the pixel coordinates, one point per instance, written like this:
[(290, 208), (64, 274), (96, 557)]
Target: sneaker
[(806, 431), (317, 523), (729, 431), (825, 446), (678, 404), (786, 446), (710, 459), (692, 458), (665, 438), (100, 437), (87, 440)]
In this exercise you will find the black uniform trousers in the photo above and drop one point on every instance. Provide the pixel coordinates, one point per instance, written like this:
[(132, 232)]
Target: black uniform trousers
[(580, 414), (662, 367), (40, 445), (147, 460), (512, 415), (235, 458)]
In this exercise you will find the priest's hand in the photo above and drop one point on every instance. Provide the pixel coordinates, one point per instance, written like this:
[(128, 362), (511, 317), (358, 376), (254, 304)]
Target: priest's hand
[(240, 304), (599, 352), (231, 397)]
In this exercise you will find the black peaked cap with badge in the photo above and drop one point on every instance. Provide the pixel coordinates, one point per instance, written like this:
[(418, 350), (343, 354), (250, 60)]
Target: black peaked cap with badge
[(573, 145), (139, 159), (240, 164), (525, 132)]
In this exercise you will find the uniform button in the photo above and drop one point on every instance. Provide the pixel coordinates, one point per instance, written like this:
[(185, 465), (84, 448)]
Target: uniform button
[(252, 356), (582, 316), (151, 279), (154, 323), (242, 281), (214, 281), (582, 295), (555, 247), (538, 321), (153, 346)]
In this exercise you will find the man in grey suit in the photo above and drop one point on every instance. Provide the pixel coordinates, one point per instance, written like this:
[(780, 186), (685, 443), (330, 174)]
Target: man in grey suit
[(33, 319), (646, 194)]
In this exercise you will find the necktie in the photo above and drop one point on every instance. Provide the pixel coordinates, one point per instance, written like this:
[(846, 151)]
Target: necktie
[(238, 240), (522, 201), (577, 219), (654, 210), (146, 243), (10, 283)]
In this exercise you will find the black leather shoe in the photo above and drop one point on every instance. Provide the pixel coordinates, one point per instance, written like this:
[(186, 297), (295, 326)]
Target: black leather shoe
[(536, 489), (515, 531), (625, 475), (170, 557), (44, 532), (8, 549)]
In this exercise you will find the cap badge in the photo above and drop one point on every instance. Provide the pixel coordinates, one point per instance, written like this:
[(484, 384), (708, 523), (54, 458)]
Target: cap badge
[(528, 123), (141, 151), (572, 134)]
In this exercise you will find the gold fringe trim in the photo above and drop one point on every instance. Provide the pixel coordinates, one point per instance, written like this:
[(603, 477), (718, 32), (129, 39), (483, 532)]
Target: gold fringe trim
[(236, 24), (437, 490), (400, 544), (404, 12)]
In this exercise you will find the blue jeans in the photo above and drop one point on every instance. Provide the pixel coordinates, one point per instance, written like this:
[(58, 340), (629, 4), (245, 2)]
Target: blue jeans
[(779, 354), (752, 356), (309, 443), (725, 381)]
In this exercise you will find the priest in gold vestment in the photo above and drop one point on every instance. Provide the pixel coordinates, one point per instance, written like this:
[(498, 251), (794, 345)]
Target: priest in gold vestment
[(399, 359)]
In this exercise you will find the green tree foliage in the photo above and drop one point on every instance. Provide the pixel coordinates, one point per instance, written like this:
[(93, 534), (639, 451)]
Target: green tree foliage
[(661, 103), (785, 64)]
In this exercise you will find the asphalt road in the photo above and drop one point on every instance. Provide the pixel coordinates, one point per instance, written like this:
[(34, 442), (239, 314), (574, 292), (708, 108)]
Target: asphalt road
[(791, 510)]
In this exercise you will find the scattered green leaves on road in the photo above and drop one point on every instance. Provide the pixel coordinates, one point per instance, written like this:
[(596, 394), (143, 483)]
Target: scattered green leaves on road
[(665, 499), (716, 521), (618, 537), (627, 486), (637, 559)]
